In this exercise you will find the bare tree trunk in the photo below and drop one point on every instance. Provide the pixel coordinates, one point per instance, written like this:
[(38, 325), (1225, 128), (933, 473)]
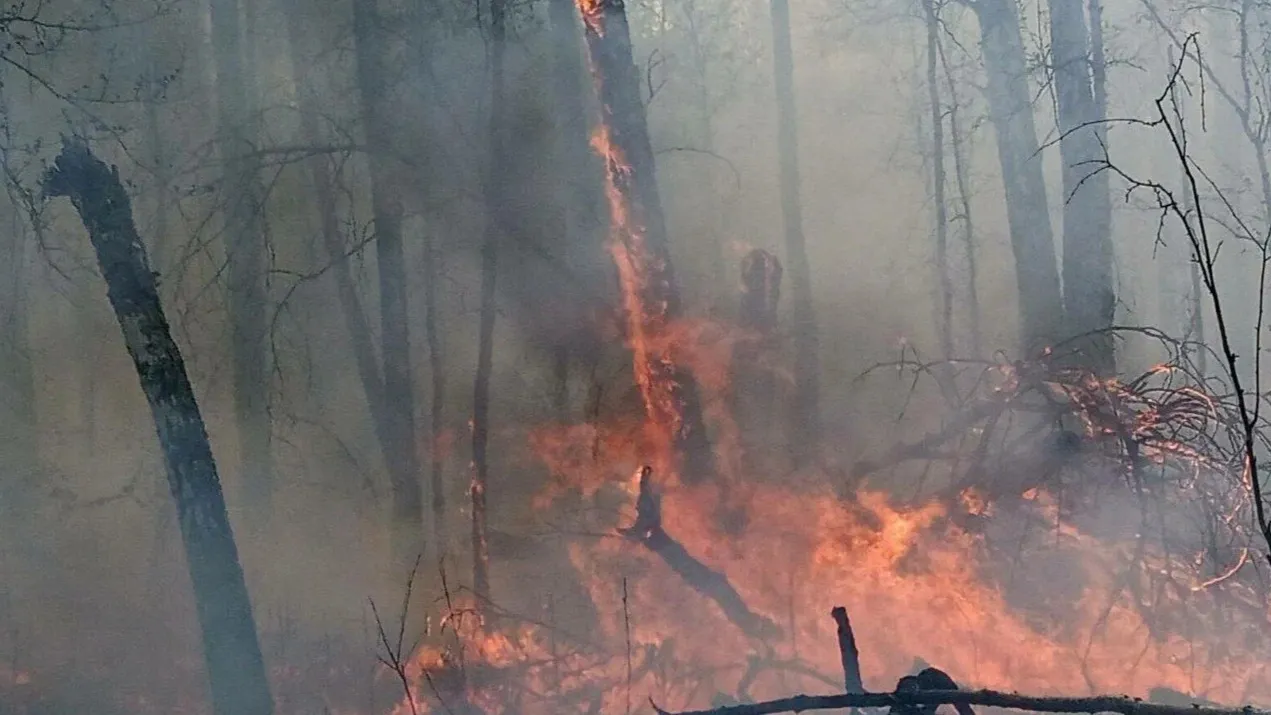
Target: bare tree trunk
[(495, 207), (236, 670), (964, 207), (245, 255), (355, 319), (805, 415), (640, 242), (437, 370), (944, 322), (402, 460), (1089, 300), (1027, 211)]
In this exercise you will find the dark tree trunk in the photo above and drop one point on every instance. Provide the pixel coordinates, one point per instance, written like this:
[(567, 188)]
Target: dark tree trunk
[(245, 256), (399, 389), (496, 204), (1027, 211), (1089, 300), (805, 408), (236, 670), (641, 246)]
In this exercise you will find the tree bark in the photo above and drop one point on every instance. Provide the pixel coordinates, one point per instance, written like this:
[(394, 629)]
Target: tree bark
[(495, 196), (245, 256), (640, 246), (964, 205), (805, 408), (402, 460), (578, 192), (1027, 211), (1089, 300), (236, 670)]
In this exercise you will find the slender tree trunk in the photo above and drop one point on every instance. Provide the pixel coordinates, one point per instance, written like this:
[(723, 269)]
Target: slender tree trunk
[(1027, 211), (399, 389), (944, 321), (805, 416), (496, 200), (640, 244), (19, 452), (964, 206), (754, 384), (437, 369), (1089, 300), (236, 670), (245, 251), (355, 319)]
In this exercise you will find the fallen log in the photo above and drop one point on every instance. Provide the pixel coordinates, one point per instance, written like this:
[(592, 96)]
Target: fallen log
[(648, 531), (991, 698)]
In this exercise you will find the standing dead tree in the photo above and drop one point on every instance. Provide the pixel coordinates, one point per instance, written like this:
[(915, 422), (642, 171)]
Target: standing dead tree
[(235, 666), (639, 243)]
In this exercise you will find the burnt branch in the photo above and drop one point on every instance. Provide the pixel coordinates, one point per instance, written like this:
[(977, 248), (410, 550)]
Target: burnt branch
[(648, 531)]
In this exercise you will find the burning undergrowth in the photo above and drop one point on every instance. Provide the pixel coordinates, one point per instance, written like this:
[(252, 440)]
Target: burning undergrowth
[(1118, 559)]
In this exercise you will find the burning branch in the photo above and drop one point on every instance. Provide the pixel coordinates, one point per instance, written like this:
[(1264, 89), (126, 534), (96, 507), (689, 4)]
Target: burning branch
[(990, 698), (648, 531)]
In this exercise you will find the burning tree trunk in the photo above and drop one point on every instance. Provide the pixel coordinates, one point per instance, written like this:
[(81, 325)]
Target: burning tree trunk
[(245, 249), (805, 409), (495, 205), (1089, 300), (236, 669), (639, 241), (401, 459), (1027, 213)]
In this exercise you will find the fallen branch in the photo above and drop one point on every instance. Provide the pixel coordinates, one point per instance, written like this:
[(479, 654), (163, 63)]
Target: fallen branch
[(648, 531), (991, 698)]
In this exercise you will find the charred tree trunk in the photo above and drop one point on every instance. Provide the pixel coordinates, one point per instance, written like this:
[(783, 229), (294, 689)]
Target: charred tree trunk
[(245, 256), (640, 242), (1027, 212), (944, 302), (1089, 300), (495, 206), (402, 460), (805, 408), (236, 670)]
